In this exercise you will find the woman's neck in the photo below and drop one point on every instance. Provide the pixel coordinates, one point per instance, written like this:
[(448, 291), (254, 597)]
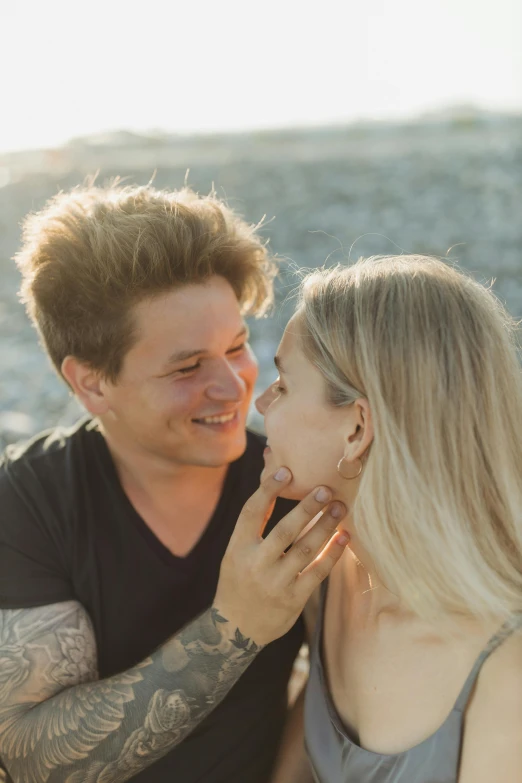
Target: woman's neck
[(364, 579)]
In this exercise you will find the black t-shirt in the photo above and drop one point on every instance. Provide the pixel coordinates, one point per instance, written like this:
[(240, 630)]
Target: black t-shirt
[(68, 531)]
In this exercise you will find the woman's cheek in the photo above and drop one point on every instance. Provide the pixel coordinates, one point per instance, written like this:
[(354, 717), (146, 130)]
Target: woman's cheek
[(271, 428)]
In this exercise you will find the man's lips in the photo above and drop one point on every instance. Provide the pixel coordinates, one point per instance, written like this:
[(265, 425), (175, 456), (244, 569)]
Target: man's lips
[(218, 419)]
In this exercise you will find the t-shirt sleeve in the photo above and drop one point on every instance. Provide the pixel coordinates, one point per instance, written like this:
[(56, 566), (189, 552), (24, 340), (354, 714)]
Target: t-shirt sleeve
[(32, 571)]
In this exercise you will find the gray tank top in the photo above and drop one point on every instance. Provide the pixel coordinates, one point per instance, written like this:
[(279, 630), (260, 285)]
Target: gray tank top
[(336, 758)]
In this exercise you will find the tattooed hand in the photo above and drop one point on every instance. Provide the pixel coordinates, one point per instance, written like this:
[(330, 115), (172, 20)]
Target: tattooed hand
[(264, 584)]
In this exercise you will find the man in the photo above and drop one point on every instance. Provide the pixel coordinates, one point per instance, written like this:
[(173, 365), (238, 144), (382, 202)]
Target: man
[(130, 646)]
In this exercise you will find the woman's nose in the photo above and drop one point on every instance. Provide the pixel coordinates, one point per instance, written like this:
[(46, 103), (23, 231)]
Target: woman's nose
[(264, 400)]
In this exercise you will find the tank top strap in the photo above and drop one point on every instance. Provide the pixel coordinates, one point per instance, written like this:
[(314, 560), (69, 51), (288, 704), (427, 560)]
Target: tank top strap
[(496, 640)]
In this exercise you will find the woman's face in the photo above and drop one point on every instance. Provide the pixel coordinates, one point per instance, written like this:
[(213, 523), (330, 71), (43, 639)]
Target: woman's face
[(305, 433)]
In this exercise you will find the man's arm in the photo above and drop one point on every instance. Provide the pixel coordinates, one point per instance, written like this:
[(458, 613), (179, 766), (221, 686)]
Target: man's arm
[(58, 722)]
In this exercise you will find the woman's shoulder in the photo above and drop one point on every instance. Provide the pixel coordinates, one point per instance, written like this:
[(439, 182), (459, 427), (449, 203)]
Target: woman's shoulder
[(493, 723), (503, 668)]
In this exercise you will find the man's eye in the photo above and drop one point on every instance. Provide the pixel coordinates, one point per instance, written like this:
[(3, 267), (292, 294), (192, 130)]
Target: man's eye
[(188, 369)]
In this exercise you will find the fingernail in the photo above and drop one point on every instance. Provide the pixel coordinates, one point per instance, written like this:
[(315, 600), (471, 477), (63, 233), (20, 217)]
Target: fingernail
[(323, 495), (282, 474), (337, 510), (343, 538)]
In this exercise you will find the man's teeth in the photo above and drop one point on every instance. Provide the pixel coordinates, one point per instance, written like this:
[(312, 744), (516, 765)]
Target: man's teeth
[(218, 419)]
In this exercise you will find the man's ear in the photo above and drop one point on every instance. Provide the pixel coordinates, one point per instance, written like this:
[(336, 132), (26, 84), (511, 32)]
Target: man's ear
[(359, 434), (87, 384)]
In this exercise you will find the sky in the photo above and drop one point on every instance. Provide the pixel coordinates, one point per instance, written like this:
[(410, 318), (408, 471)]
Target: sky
[(71, 69)]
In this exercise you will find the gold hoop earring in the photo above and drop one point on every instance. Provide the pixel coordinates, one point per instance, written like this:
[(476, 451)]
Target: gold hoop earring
[(349, 478)]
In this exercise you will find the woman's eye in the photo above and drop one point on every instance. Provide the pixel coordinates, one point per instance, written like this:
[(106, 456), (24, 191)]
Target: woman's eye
[(278, 389), (237, 349)]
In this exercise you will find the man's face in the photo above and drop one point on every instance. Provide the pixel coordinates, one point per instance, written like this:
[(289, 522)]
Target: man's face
[(185, 387)]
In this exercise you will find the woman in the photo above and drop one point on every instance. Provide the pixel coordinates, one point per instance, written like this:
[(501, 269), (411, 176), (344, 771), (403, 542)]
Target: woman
[(399, 387)]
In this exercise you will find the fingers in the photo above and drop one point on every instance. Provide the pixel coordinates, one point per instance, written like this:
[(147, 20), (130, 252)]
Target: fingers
[(307, 548), (319, 569), (259, 506), (289, 527)]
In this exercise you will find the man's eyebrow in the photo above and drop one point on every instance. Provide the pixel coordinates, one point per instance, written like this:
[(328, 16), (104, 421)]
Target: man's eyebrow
[(182, 356)]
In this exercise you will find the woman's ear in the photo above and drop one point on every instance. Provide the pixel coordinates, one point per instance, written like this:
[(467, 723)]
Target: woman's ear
[(87, 384), (359, 435)]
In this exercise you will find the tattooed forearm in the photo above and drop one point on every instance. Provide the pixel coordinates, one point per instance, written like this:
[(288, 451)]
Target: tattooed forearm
[(59, 724)]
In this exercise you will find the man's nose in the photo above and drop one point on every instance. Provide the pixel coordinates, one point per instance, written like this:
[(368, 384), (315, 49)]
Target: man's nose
[(226, 384), (264, 400)]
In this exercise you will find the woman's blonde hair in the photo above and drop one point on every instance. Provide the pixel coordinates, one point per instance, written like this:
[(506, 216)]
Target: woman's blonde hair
[(440, 502)]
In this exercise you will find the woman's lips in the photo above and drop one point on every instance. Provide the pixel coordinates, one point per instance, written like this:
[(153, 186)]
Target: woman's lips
[(267, 451)]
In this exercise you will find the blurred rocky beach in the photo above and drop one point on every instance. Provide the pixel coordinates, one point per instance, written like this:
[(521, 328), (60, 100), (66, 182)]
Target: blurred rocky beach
[(449, 184)]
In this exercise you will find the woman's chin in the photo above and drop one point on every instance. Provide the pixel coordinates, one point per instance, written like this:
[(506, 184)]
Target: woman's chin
[(291, 491), (291, 494), (287, 492)]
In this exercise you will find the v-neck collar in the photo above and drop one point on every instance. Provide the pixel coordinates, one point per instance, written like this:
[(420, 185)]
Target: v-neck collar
[(145, 531)]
